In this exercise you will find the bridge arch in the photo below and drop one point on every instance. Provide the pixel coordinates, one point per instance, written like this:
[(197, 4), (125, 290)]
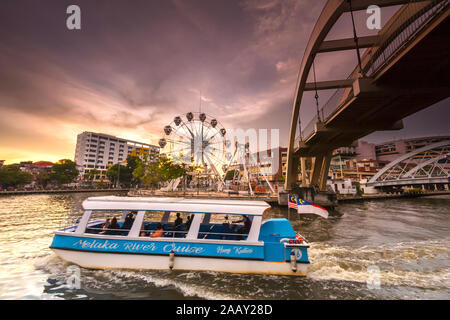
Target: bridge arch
[(420, 166)]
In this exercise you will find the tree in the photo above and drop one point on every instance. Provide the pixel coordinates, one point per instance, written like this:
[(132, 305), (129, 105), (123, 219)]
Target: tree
[(12, 176), (64, 171), (113, 173), (90, 176), (230, 174), (43, 177), (132, 163), (151, 173), (126, 172)]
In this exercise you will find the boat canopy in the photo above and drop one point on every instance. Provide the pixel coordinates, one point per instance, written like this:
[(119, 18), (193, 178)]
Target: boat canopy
[(238, 207)]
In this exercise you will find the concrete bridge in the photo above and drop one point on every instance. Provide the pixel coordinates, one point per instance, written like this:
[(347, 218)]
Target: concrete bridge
[(404, 69)]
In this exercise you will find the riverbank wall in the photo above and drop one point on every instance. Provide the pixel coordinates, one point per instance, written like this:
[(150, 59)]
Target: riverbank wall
[(345, 198), (275, 200), (24, 192)]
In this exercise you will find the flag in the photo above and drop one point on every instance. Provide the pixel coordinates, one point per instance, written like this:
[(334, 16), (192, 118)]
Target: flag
[(307, 207), (292, 203)]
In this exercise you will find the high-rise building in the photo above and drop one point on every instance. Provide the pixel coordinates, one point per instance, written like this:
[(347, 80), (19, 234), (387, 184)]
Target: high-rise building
[(101, 151)]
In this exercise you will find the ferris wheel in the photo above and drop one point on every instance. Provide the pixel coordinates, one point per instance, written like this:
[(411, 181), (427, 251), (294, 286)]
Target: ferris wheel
[(196, 140)]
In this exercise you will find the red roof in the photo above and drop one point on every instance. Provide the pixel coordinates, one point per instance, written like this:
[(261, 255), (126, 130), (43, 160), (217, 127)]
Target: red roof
[(43, 164)]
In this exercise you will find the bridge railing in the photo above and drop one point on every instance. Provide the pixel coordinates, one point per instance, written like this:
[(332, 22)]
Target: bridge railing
[(339, 98), (412, 19)]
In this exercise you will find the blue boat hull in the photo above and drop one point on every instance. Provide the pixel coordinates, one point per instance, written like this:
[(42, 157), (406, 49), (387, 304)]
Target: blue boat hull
[(113, 252)]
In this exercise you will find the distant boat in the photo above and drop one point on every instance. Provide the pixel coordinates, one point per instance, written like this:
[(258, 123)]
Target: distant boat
[(209, 242)]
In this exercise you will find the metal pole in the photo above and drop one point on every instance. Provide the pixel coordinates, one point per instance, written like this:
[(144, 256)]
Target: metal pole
[(289, 211), (118, 176), (355, 37), (316, 96), (184, 187)]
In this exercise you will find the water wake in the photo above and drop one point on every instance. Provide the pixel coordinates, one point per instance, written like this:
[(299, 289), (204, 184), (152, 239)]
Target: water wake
[(422, 264)]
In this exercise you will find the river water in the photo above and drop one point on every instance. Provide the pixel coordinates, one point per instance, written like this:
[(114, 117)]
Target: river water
[(390, 249)]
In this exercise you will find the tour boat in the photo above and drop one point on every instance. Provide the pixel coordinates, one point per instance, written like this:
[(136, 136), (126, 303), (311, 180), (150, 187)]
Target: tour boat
[(182, 234)]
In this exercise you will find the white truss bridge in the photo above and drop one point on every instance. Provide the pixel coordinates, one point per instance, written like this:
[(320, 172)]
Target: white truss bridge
[(427, 165)]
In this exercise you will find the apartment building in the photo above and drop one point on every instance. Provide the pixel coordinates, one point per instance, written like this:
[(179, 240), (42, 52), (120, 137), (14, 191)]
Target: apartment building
[(101, 151)]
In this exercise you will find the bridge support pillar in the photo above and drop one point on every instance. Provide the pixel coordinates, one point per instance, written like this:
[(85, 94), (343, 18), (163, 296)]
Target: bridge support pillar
[(317, 166), (324, 172), (303, 168), (292, 171)]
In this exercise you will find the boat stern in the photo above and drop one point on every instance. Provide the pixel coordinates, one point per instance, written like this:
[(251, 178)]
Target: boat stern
[(284, 246)]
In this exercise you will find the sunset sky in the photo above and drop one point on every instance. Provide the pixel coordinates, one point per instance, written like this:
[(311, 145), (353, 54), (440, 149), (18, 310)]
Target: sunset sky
[(135, 65)]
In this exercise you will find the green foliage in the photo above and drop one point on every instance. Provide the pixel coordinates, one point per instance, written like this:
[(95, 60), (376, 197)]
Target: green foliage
[(101, 184), (415, 191), (126, 172), (358, 189), (43, 177), (11, 176), (133, 162), (91, 174), (151, 172), (123, 174), (64, 171), (230, 175)]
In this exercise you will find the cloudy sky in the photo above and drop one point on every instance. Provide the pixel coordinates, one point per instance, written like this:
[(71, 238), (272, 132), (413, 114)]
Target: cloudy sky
[(134, 65)]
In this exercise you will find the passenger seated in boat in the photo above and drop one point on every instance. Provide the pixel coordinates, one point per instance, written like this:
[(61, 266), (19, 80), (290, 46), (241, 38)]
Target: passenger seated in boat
[(226, 228), (128, 221), (247, 225), (113, 226), (143, 233), (105, 226), (188, 222), (178, 222), (158, 232)]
